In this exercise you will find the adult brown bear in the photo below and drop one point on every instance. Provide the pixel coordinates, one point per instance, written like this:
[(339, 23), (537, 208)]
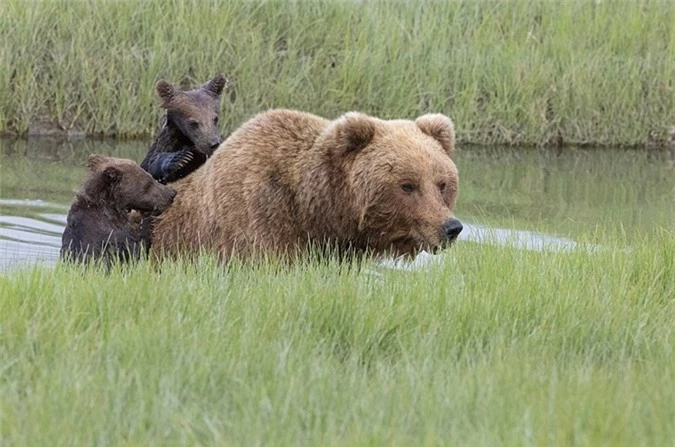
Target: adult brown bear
[(287, 180)]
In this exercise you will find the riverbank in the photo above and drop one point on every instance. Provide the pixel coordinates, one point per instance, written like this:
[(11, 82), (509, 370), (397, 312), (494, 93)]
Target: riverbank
[(510, 73)]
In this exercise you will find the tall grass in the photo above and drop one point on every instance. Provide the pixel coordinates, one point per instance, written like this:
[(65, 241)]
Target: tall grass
[(493, 346), (512, 72)]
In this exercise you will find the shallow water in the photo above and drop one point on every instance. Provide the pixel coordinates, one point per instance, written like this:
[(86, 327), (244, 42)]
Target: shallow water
[(532, 199)]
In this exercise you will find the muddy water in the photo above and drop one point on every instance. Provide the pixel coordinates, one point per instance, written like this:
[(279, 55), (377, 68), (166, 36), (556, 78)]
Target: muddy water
[(534, 199)]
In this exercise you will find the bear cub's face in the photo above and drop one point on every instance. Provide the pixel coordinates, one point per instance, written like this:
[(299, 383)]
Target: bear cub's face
[(195, 112), (405, 182), (123, 185)]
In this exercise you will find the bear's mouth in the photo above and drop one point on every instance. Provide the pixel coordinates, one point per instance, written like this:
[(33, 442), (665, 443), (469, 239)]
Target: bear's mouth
[(412, 245)]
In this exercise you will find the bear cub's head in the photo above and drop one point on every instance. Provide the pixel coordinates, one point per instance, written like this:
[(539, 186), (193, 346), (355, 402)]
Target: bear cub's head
[(403, 181), (122, 185), (195, 113)]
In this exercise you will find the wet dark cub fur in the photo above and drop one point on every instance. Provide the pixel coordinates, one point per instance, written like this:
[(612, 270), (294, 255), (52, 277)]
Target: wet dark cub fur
[(98, 224), (190, 131)]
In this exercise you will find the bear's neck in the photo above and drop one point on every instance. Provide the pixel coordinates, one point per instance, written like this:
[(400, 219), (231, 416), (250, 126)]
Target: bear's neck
[(329, 215)]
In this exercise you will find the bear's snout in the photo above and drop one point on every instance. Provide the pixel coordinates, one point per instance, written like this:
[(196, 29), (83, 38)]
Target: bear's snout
[(452, 228), (215, 143), (165, 199)]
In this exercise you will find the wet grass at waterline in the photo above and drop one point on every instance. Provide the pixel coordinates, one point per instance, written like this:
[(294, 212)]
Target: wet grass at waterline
[(513, 72), (492, 346)]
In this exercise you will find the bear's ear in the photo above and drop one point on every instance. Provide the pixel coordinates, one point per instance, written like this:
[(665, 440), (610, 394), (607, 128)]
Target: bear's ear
[(165, 90), (112, 174), (95, 161), (439, 127), (216, 85), (353, 131)]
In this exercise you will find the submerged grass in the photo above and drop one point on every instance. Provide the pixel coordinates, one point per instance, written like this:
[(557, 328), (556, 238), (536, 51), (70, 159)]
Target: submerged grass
[(512, 72), (493, 346)]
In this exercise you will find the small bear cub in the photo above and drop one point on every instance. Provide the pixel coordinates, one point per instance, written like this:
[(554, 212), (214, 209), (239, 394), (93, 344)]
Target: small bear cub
[(190, 130), (99, 226)]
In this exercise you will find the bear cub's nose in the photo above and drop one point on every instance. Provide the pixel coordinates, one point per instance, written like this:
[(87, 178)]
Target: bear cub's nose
[(452, 228), (215, 144)]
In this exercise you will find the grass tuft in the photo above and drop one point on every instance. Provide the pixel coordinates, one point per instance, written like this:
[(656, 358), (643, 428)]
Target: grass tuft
[(513, 72), (491, 346)]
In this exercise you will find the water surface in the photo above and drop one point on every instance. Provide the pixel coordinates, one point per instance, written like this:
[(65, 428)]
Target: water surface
[(535, 199)]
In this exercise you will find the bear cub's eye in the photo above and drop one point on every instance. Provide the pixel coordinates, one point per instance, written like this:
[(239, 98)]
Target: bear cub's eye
[(215, 120), (442, 186), (408, 187), (194, 124)]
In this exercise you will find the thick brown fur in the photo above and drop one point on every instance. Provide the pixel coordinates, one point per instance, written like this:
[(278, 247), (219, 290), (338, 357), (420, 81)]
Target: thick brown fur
[(286, 180), (190, 131), (99, 226)]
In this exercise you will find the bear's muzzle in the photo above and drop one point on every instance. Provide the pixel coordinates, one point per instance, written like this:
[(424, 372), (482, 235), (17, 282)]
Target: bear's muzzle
[(452, 228)]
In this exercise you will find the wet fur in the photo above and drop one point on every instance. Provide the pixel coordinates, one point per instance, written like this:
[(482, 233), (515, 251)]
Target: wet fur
[(98, 224), (189, 132), (286, 180)]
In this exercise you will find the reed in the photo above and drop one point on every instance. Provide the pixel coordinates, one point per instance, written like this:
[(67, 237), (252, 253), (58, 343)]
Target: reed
[(513, 72)]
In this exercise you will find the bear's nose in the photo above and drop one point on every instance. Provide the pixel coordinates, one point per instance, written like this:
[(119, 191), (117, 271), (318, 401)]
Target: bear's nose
[(452, 228), (215, 144)]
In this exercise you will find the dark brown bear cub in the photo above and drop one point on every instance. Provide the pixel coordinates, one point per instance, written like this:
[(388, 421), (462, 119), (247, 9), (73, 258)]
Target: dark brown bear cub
[(98, 225), (190, 131)]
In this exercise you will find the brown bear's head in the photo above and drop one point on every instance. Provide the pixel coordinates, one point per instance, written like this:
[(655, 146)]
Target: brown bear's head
[(195, 112), (121, 184), (401, 179)]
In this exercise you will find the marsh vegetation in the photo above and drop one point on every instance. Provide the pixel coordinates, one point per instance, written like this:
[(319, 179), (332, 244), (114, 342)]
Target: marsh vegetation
[(514, 72)]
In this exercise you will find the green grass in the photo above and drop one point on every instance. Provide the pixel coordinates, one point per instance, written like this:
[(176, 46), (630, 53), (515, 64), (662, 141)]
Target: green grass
[(493, 346), (512, 72)]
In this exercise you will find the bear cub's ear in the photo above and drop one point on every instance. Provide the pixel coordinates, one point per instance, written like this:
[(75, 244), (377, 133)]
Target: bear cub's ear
[(353, 131), (216, 85), (165, 90), (95, 161), (439, 127), (112, 174)]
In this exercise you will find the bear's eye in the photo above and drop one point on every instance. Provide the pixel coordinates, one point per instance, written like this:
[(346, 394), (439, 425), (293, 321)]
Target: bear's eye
[(442, 186), (215, 120), (194, 124), (408, 187)]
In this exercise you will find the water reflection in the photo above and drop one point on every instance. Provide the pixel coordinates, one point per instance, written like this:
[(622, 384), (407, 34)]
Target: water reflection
[(25, 240), (571, 194), (530, 199), (38, 181)]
